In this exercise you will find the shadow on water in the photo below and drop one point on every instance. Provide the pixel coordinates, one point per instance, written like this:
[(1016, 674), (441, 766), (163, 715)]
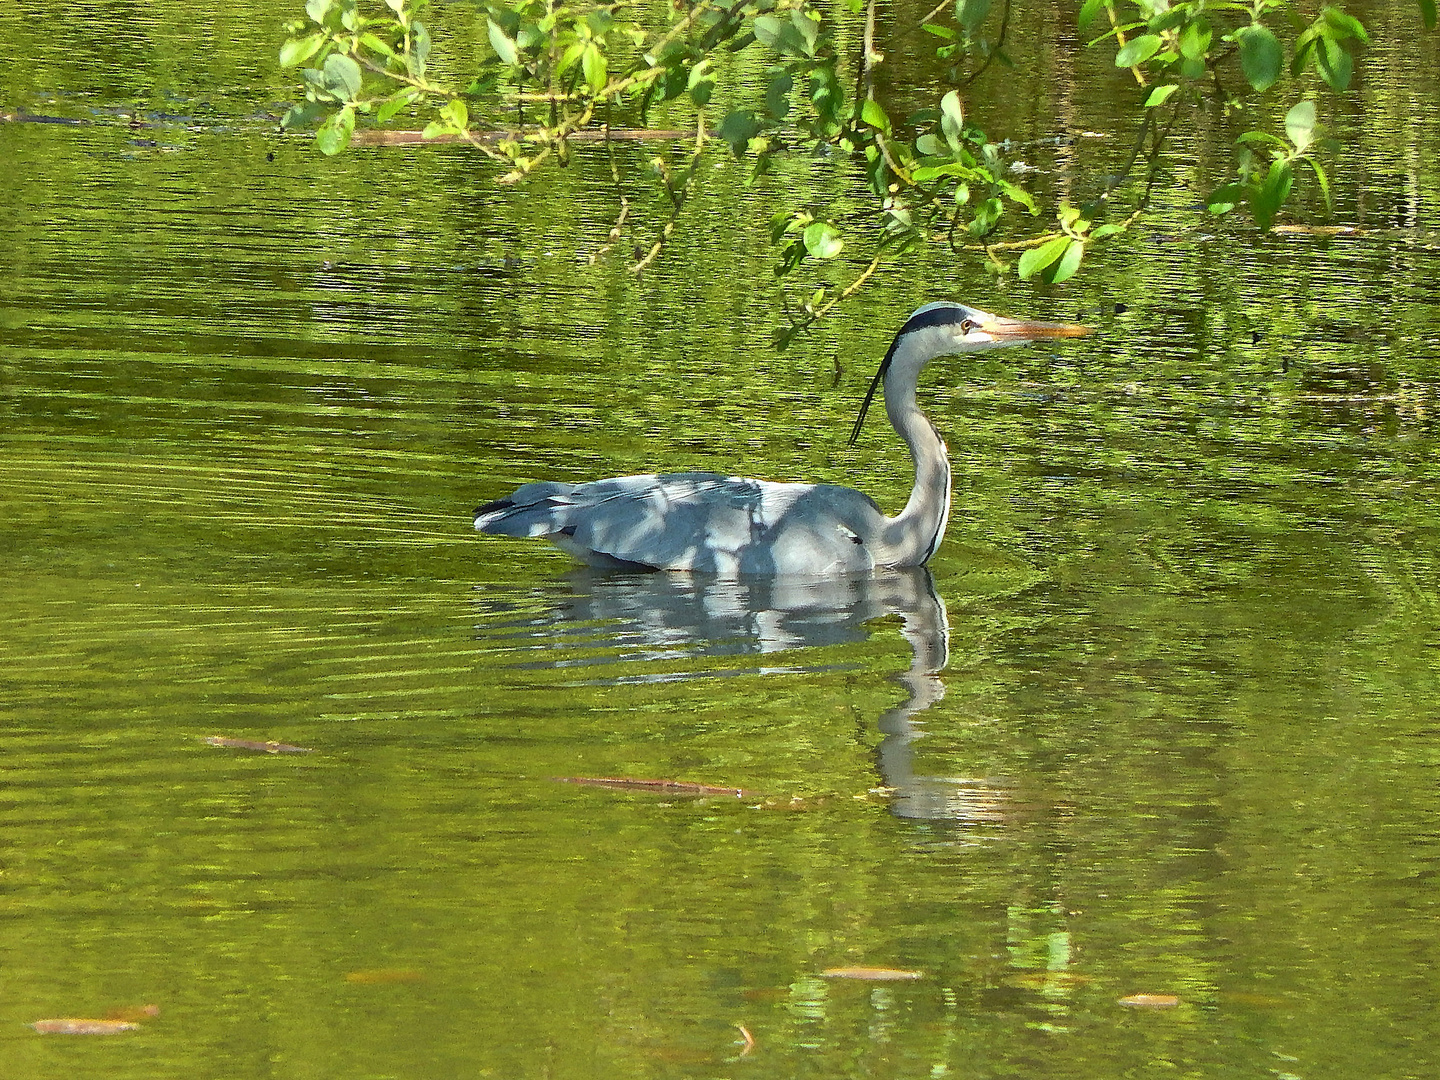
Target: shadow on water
[(593, 619)]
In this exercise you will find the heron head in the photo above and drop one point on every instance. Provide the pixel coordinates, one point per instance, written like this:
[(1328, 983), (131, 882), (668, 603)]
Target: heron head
[(945, 328)]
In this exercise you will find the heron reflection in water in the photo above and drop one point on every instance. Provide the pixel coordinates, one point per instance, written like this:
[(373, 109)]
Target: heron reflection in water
[(607, 628), (737, 527)]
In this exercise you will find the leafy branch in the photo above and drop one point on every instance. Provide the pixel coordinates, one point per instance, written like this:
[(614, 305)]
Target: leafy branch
[(558, 68)]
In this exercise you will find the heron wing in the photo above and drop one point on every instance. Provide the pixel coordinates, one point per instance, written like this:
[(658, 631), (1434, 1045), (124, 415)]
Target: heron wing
[(689, 521)]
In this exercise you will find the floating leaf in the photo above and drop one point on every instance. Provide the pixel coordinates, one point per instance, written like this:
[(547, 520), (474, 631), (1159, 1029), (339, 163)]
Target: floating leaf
[(252, 744), (133, 1013), (384, 976), (1261, 56), (1138, 50), (1150, 1001), (71, 1026), (668, 787), (872, 974)]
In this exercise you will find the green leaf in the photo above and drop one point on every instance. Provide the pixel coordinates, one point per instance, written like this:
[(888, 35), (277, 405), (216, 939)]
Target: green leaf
[(1160, 94), (929, 145), (701, 83), (298, 50), (1300, 124), (872, 114), (504, 45), (1224, 198), (1427, 12), (971, 13), (1037, 258), (737, 129), (1195, 40), (1108, 229), (822, 240), (777, 94), (1260, 137), (1343, 26), (397, 6), (393, 104), (305, 113), (342, 77), (595, 67), (419, 53), (334, 135), (944, 33), (1266, 200), (807, 30), (1138, 50), (1088, 11), (954, 168), (1261, 56), (1334, 63), (318, 9), (1069, 262), (600, 21), (826, 94), (374, 44), (985, 217), (1017, 194), (1324, 184), (768, 29), (952, 119), (456, 115)]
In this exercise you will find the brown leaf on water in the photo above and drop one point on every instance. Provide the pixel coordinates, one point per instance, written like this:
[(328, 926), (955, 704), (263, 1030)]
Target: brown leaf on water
[(1150, 1001), (72, 1026), (664, 787), (271, 747), (383, 976), (872, 974), (133, 1013)]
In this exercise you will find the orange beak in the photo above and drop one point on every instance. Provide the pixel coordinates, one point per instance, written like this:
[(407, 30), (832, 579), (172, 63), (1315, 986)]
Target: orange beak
[(1018, 330)]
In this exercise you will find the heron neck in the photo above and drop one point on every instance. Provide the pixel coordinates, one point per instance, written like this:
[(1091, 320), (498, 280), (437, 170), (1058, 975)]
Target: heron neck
[(915, 533)]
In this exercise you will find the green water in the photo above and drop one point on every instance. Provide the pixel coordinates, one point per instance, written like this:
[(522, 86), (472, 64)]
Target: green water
[(1186, 742)]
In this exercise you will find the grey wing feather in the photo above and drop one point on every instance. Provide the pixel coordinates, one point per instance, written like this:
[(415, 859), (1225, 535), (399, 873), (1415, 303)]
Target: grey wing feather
[(690, 521)]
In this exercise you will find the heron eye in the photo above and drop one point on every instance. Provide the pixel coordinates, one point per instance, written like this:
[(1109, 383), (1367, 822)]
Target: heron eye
[(967, 325)]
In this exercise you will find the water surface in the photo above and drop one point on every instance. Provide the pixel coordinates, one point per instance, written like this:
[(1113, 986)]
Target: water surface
[(1159, 719)]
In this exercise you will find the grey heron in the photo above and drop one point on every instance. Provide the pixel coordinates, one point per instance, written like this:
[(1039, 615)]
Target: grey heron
[(736, 527)]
